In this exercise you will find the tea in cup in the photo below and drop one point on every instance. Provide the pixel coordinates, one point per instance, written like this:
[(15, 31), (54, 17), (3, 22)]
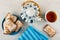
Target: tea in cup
[(51, 16)]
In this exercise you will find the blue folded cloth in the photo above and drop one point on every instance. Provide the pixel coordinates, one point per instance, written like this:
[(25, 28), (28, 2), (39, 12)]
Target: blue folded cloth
[(32, 34)]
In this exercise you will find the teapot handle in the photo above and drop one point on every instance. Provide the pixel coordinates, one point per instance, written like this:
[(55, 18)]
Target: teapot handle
[(39, 19)]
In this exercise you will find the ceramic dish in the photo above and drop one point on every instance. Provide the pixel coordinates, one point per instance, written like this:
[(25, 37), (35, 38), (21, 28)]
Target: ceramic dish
[(30, 11), (13, 33)]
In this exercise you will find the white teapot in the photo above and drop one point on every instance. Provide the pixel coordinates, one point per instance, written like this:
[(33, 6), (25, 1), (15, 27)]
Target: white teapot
[(30, 11)]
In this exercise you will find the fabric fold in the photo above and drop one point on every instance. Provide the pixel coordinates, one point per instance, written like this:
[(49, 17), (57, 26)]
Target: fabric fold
[(32, 34)]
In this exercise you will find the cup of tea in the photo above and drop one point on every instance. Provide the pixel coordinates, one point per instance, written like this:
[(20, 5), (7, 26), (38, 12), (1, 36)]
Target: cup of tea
[(51, 16)]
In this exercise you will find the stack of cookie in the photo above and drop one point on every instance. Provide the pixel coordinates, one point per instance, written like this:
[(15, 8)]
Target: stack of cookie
[(11, 24)]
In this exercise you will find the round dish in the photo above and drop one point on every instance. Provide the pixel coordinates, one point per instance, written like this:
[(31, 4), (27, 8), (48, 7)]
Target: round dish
[(30, 11), (13, 33), (56, 16)]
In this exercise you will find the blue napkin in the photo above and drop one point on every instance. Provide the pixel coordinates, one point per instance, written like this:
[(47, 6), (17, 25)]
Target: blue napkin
[(32, 34)]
